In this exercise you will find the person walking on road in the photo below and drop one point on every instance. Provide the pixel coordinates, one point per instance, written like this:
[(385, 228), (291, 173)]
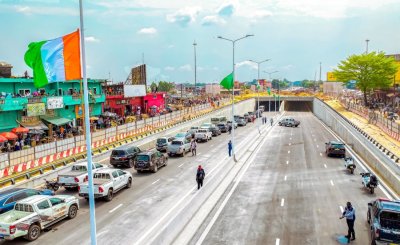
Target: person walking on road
[(193, 147), (200, 175), (350, 214), (230, 148), (272, 121), (229, 129)]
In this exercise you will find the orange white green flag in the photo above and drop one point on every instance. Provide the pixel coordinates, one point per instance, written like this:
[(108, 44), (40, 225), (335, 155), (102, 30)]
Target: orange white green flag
[(55, 60)]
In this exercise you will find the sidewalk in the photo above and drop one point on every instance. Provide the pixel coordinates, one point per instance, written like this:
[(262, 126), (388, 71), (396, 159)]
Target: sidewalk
[(375, 132)]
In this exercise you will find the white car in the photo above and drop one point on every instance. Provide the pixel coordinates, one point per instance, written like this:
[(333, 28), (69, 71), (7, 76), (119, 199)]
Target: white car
[(179, 147), (203, 134), (77, 175), (106, 182)]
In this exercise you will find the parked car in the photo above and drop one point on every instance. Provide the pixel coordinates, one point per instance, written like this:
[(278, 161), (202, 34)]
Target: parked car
[(241, 121), (203, 134), (335, 148), (185, 135), (288, 122), (9, 197), (150, 160), (77, 175), (106, 182), (223, 127), (33, 214), (229, 123), (179, 146), (215, 131), (162, 143), (207, 125), (247, 117), (383, 217), (124, 156)]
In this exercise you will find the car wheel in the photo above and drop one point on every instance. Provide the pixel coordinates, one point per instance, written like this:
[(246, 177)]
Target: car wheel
[(368, 217), (69, 188), (33, 233), (155, 169), (73, 210), (110, 195), (130, 163), (129, 184)]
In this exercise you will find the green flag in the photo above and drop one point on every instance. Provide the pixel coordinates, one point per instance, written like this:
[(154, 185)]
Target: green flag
[(269, 90), (227, 82), (258, 85)]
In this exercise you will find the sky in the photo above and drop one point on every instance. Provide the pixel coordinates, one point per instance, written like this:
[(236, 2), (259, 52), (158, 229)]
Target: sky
[(295, 35)]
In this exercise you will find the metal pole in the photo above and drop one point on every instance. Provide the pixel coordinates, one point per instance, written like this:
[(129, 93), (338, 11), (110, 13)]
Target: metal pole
[(320, 70), (366, 51), (195, 67), (88, 139), (279, 97), (233, 101)]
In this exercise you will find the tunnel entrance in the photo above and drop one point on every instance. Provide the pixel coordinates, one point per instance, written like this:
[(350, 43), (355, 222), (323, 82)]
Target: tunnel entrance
[(305, 106), (270, 105)]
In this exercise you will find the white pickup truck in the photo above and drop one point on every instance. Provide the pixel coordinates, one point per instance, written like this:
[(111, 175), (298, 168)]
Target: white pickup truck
[(106, 182), (203, 134), (33, 214), (77, 175)]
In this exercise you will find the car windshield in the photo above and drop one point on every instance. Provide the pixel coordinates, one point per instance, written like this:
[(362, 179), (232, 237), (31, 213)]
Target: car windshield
[(390, 220), (161, 141), (221, 125), (142, 158), (176, 142), (180, 135), (118, 153), (340, 146)]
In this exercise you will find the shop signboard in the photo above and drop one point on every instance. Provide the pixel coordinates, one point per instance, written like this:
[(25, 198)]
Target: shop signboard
[(55, 102), (79, 111), (36, 109)]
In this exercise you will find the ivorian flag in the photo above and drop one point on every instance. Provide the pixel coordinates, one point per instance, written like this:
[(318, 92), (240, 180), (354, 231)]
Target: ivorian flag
[(227, 82), (55, 60)]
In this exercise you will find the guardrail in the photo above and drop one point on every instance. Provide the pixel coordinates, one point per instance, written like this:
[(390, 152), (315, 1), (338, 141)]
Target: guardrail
[(26, 175)]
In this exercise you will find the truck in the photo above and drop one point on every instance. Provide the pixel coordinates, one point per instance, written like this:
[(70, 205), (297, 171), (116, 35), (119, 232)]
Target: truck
[(77, 175), (32, 215), (216, 120), (203, 134), (383, 217), (179, 146), (106, 182)]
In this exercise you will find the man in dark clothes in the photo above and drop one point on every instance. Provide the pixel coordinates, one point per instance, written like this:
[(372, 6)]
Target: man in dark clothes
[(200, 175)]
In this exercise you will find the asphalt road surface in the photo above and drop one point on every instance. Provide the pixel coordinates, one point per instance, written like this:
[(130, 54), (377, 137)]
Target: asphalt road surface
[(135, 215), (292, 193)]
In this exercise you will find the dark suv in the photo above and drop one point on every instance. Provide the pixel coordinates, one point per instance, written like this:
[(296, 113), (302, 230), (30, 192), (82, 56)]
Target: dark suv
[(162, 143), (124, 156), (335, 148), (215, 131), (150, 160), (223, 127)]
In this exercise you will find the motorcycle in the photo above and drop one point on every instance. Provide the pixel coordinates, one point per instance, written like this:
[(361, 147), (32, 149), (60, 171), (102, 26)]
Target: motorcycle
[(52, 185), (349, 164), (369, 181)]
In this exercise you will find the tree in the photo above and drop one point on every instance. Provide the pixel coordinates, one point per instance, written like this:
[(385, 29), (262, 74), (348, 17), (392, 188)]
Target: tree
[(153, 87), (165, 86), (371, 71)]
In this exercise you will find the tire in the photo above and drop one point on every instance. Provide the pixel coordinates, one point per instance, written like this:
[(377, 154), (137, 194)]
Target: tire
[(130, 163), (110, 195), (72, 211), (371, 190), (352, 171), (368, 218), (155, 169), (33, 233), (69, 188), (56, 187), (129, 184)]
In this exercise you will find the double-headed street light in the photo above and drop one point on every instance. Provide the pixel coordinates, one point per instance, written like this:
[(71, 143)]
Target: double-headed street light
[(195, 68), (258, 82), (269, 73), (233, 41)]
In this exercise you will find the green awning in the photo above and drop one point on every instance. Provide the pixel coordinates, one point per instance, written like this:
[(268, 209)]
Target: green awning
[(56, 120)]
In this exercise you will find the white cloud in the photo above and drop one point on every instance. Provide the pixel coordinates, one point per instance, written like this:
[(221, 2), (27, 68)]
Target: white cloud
[(148, 30), (210, 20), (184, 16), (186, 67), (252, 65), (91, 39), (287, 67), (169, 68), (45, 10), (226, 9)]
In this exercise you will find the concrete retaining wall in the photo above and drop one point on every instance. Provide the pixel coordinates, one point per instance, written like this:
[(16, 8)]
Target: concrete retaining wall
[(377, 160)]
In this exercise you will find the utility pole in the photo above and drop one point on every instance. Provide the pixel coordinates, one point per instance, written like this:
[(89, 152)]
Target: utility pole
[(320, 70), (195, 67), (366, 50), (143, 58)]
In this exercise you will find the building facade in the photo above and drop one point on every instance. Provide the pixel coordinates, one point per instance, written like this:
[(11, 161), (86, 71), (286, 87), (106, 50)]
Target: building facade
[(21, 103)]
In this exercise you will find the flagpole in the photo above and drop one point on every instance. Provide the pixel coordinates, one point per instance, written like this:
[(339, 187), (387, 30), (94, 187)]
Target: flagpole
[(87, 132)]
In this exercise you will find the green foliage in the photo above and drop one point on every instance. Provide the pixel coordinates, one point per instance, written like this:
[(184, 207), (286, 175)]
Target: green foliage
[(371, 71), (164, 86), (153, 86), (308, 84)]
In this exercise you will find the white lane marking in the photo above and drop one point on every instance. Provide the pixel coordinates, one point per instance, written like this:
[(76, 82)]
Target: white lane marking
[(155, 181), (102, 160), (315, 139), (199, 154), (285, 177), (317, 146), (282, 202), (212, 145), (117, 207), (325, 166), (181, 165), (320, 154), (287, 162), (332, 183), (290, 143), (277, 241), (341, 209), (290, 138), (288, 152)]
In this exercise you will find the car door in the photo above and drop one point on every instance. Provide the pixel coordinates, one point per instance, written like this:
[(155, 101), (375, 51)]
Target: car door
[(117, 179), (45, 212), (59, 207), (160, 158), (123, 177)]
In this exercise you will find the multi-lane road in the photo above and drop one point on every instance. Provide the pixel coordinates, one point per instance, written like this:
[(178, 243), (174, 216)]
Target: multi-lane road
[(286, 192)]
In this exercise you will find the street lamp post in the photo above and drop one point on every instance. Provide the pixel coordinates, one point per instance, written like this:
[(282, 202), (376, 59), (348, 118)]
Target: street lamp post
[(195, 67), (367, 41), (233, 88), (258, 92), (269, 73)]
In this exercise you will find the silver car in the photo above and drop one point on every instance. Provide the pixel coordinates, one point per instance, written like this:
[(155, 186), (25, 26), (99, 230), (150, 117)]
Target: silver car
[(179, 147)]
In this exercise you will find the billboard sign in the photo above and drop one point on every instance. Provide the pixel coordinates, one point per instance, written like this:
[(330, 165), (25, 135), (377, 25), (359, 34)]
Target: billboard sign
[(330, 77), (55, 102), (139, 75), (36, 109), (134, 90)]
